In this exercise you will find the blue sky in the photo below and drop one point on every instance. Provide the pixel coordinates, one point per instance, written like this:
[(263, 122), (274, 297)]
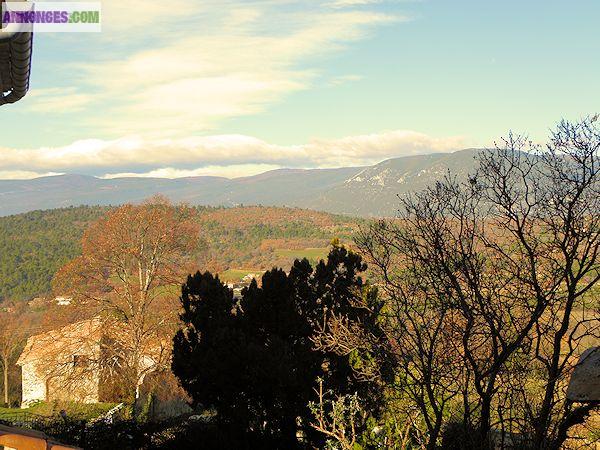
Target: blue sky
[(234, 87)]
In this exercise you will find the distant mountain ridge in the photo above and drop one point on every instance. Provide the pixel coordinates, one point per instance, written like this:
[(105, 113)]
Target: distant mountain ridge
[(361, 191)]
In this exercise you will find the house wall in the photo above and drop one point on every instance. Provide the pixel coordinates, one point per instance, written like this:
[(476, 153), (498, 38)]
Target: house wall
[(72, 386), (58, 377), (66, 364), (68, 385), (33, 385)]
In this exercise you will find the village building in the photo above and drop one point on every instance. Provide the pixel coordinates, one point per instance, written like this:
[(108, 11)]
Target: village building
[(37, 302), (72, 363), (249, 277), (63, 301), (69, 364), (238, 286), (55, 365)]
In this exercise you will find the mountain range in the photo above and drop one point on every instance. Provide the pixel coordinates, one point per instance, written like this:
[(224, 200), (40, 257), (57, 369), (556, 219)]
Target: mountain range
[(361, 191)]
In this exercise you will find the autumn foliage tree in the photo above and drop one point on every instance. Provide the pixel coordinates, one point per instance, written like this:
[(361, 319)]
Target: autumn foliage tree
[(132, 260)]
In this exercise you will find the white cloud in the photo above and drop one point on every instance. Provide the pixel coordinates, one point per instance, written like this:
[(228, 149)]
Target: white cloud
[(179, 68), (233, 171), (51, 100), (347, 3), (118, 15), (355, 3), (24, 174), (228, 155)]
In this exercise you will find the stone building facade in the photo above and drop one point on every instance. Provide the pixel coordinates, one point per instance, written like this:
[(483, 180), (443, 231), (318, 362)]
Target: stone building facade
[(63, 364)]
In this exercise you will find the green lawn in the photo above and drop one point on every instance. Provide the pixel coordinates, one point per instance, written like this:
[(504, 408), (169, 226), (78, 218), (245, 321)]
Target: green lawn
[(237, 274), (312, 254), (74, 410)]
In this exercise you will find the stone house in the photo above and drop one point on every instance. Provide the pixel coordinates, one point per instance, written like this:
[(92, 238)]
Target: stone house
[(59, 364), (70, 364)]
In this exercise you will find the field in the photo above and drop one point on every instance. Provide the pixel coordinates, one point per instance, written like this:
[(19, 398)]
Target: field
[(312, 254), (232, 275)]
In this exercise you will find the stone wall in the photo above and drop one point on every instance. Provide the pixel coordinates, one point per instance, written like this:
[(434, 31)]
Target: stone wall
[(33, 385)]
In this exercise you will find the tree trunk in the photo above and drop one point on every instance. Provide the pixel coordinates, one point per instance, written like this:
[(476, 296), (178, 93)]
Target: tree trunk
[(433, 438), (572, 418), (484, 425), (5, 366), (554, 371), (432, 444)]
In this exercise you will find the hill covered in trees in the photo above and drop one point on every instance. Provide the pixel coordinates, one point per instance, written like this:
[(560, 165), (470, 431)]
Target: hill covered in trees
[(36, 244)]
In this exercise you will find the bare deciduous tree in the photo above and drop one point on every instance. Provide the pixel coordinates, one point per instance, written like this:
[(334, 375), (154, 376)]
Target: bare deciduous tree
[(336, 417), (13, 328), (489, 285)]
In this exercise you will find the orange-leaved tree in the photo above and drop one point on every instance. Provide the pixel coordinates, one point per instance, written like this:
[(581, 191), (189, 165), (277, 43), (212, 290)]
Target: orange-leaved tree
[(132, 262)]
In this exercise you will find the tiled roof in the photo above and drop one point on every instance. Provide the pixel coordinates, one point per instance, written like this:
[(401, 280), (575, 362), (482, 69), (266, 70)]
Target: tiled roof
[(66, 339)]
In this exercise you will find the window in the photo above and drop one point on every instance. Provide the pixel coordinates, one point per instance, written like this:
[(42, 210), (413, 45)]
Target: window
[(81, 361)]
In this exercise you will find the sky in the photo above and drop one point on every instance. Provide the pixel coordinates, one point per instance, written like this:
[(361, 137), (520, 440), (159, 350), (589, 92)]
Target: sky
[(239, 87)]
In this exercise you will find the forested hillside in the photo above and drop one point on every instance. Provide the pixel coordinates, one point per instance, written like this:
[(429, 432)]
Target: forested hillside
[(34, 245)]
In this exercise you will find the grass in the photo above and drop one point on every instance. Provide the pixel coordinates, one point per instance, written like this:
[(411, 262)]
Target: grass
[(312, 254), (81, 411), (237, 274)]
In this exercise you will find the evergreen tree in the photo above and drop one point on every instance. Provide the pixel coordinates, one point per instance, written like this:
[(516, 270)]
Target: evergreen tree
[(257, 362), (208, 353)]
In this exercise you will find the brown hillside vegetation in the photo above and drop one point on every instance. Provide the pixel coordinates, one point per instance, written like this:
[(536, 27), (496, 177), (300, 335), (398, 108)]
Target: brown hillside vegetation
[(267, 215), (254, 236)]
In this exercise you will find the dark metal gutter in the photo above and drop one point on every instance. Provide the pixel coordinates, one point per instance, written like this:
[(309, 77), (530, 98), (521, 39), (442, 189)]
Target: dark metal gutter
[(16, 48)]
